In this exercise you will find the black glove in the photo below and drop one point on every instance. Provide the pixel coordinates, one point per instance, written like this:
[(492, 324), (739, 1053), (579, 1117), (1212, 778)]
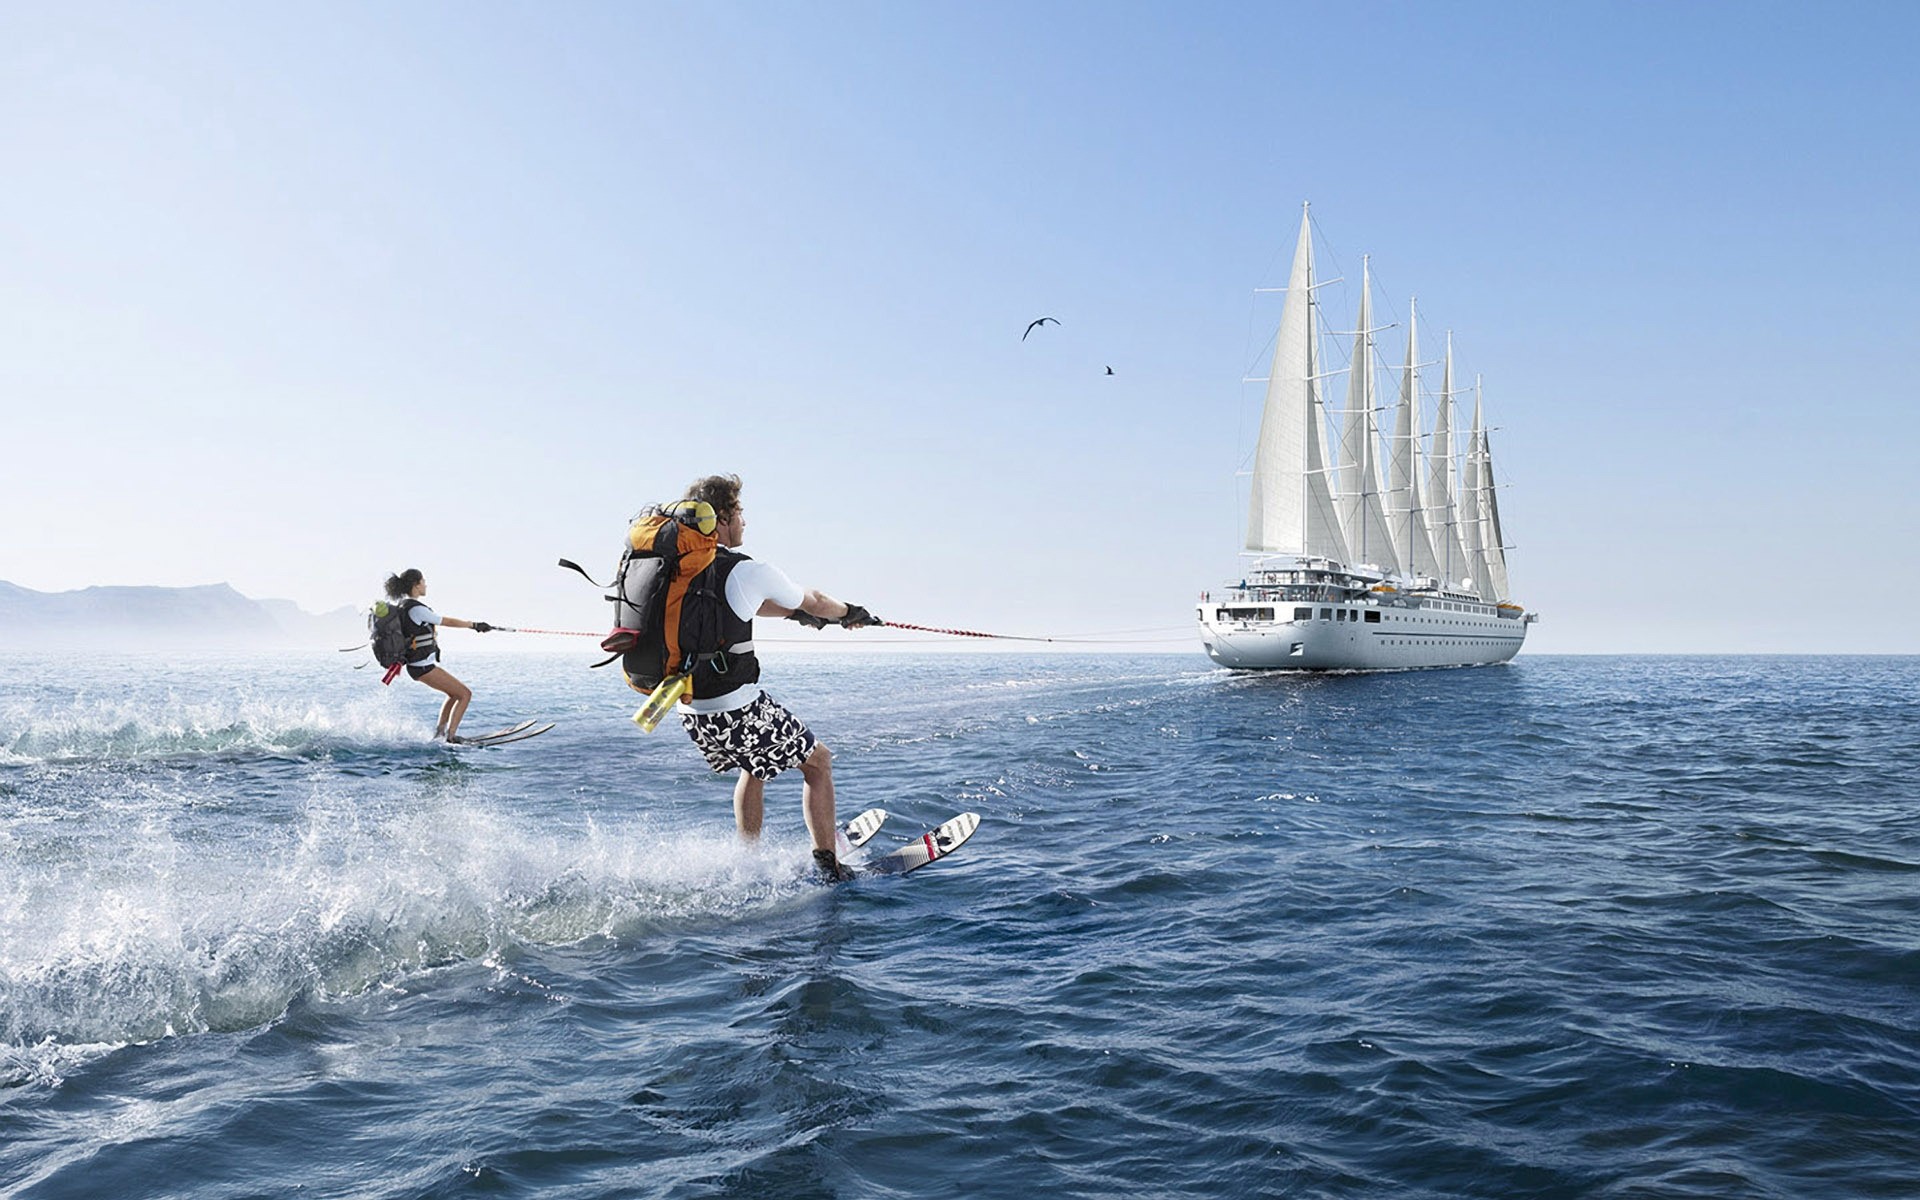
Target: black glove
[(858, 617), (482, 627), (808, 619)]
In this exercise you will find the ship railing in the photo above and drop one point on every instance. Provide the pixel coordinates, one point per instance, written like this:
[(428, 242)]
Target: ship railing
[(1294, 593)]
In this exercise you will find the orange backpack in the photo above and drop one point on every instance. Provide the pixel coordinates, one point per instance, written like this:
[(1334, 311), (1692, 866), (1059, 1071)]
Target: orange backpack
[(665, 622)]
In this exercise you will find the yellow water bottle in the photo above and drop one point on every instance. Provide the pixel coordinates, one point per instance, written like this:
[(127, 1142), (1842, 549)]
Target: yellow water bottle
[(661, 700)]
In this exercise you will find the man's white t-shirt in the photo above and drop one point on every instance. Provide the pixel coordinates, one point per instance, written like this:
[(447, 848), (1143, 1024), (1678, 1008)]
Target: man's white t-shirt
[(748, 585)]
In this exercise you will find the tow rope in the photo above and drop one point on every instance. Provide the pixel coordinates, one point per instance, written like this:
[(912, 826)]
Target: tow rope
[(972, 633), (554, 632), (570, 565), (966, 633)]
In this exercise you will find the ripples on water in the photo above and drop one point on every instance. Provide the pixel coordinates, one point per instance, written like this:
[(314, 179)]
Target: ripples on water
[(1573, 927)]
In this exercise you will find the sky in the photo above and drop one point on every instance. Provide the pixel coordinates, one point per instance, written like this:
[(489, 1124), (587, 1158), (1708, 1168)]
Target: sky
[(296, 296)]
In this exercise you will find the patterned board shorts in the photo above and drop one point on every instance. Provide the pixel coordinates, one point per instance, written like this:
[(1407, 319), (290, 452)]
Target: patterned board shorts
[(761, 738)]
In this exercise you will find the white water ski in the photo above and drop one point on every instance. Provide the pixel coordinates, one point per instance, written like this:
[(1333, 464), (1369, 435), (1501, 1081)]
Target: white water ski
[(934, 844), (856, 833), (529, 730), (499, 733)]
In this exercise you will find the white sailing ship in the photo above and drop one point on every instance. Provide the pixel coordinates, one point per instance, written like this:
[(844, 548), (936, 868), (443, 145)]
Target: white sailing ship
[(1362, 560)]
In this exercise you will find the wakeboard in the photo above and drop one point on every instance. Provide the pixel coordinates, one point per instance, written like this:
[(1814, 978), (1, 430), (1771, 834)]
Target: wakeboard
[(931, 845)]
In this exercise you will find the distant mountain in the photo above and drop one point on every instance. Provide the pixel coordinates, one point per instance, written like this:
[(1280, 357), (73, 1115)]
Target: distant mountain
[(214, 613)]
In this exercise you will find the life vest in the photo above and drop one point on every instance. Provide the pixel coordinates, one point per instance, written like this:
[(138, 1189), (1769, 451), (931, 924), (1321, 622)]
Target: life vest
[(422, 639), (670, 605), (734, 664)]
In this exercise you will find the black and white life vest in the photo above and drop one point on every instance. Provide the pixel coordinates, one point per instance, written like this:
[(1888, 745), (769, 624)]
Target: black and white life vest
[(422, 644), (735, 664)]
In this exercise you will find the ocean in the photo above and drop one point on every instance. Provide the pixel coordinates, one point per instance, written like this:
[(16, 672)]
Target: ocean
[(1570, 927)]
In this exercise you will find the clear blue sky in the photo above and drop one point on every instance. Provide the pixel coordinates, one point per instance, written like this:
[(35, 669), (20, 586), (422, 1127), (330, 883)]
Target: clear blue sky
[(295, 296)]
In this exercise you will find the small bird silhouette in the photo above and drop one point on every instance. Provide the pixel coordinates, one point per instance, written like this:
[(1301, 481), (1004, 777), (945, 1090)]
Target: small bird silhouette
[(1109, 370), (1033, 325)]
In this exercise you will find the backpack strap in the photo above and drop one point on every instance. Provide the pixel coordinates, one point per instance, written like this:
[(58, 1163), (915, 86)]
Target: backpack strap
[(695, 554), (574, 566)]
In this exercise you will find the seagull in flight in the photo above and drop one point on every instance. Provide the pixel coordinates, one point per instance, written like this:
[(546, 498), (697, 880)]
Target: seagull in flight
[(1031, 326), (1109, 370)]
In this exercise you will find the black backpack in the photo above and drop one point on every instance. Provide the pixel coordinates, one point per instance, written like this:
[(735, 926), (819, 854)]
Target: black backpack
[(387, 633)]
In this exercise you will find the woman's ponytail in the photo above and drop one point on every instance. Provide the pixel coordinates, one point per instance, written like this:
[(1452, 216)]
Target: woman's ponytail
[(398, 586)]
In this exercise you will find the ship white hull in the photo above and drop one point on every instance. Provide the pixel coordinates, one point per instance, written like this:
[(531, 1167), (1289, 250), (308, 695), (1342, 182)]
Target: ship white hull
[(1364, 635)]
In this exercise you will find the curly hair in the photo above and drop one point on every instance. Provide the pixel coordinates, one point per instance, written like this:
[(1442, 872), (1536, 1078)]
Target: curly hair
[(721, 491)]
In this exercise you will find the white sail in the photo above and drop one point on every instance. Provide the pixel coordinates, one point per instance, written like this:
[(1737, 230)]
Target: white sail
[(1405, 514), (1443, 484), (1478, 505), (1291, 510), (1493, 543), (1363, 515)]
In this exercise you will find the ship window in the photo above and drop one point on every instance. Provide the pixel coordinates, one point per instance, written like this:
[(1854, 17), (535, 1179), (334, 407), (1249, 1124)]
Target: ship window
[(1250, 614), (1303, 614), (1326, 614), (1373, 618)]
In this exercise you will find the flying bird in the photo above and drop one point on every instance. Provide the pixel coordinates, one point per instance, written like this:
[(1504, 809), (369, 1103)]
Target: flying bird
[(1109, 370), (1035, 325)]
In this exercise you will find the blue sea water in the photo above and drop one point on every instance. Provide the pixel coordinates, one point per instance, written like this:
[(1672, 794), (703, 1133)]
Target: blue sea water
[(1572, 927)]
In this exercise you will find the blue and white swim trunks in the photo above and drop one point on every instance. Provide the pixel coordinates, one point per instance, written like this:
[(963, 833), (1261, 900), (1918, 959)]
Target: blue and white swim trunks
[(761, 738)]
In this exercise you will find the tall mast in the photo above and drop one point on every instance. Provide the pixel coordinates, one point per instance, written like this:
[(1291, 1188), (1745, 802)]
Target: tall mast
[(1443, 484), (1480, 521), (1362, 507), (1404, 512), (1493, 542)]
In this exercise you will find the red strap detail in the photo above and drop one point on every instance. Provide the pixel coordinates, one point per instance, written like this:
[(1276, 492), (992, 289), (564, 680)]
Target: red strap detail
[(927, 839), (391, 672)]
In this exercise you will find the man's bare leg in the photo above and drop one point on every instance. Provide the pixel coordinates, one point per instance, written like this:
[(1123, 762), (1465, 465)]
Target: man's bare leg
[(748, 808), (816, 795)]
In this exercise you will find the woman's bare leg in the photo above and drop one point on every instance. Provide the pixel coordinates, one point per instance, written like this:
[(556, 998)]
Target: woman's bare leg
[(455, 706)]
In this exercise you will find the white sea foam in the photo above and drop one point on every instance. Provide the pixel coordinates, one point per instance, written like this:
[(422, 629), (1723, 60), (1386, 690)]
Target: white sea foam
[(87, 727), (161, 930)]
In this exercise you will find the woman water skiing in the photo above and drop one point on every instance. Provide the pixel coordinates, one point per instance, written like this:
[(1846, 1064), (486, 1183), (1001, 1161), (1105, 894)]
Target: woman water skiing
[(423, 648)]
